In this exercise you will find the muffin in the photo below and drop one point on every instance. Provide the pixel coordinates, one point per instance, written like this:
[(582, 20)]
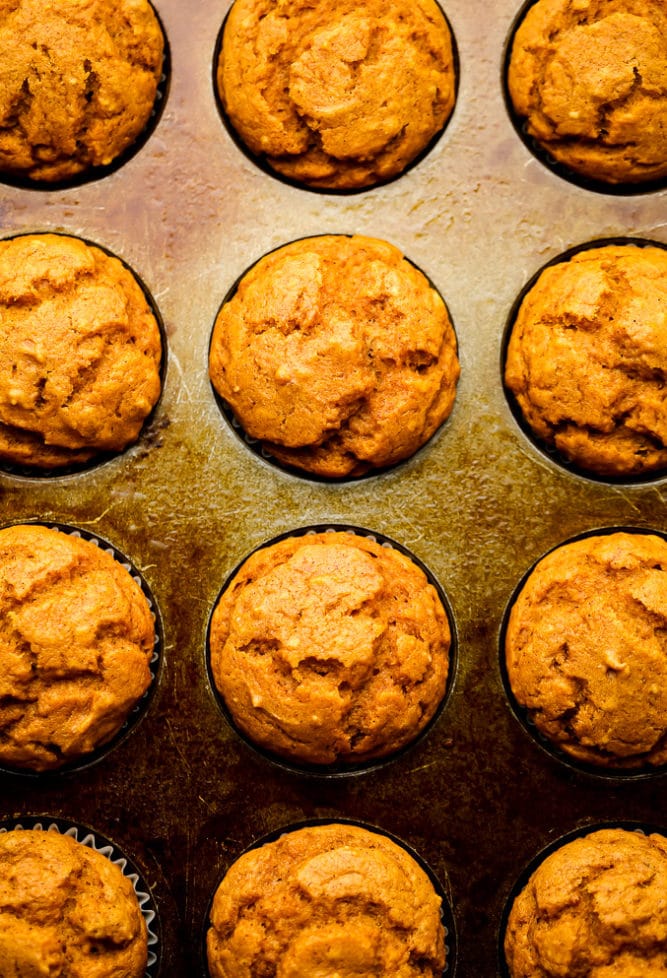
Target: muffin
[(78, 82), (80, 352), (328, 899), (586, 649), (586, 79), (66, 911), (587, 359), (337, 355), (330, 648), (596, 906), (76, 641), (336, 94)]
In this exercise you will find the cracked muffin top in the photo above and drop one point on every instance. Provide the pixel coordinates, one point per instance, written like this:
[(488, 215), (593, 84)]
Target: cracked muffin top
[(76, 639), (588, 80), (586, 649), (326, 900), (80, 352), (78, 82), (587, 359), (66, 911), (337, 354), (337, 94), (330, 648), (595, 907)]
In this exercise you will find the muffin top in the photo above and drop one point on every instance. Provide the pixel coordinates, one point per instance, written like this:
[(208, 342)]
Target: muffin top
[(586, 651), (80, 352), (587, 359), (587, 79), (76, 639), (78, 81), (335, 93), (595, 907), (326, 900), (330, 648), (337, 354), (66, 911)]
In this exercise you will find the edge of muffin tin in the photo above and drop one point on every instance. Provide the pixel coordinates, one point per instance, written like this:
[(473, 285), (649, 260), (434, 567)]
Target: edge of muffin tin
[(642, 772), (93, 839), (542, 155), (264, 167), (579, 832), (255, 445), (139, 710), (149, 427), (351, 769), (546, 451), (441, 886)]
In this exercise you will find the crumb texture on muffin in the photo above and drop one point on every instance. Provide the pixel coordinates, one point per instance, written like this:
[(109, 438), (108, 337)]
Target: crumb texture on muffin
[(78, 82), (596, 907), (326, 900), (66, 911), (337, 354), (80, 352), (76, 640), (587, 77), (330, 648), (587, 359), (586, 651), (334, 93)]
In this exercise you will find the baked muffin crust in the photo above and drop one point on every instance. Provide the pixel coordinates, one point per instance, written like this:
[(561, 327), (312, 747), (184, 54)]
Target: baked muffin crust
[(66, 911), (330, 648), (587, 78), (324, 900), (80, 352), (587, 359), (76, 639), (586, 652), (595, 907), (337, 354), (334, 93), (78, 82)]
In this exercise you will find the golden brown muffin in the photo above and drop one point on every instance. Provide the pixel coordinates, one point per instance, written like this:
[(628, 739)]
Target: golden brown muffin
[(595, 907), (326, 900), (337, 94), (586, 649), (337, 354), (587, 359), (78, 82), (587, 80), (66, 911), (330, 648), (80, 352), (76, 639)]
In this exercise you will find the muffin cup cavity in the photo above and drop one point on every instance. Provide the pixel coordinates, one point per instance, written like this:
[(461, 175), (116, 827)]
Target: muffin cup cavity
[(340, 768)]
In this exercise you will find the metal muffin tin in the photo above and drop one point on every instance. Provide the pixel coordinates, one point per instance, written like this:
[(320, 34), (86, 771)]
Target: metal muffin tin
[(183, 795)]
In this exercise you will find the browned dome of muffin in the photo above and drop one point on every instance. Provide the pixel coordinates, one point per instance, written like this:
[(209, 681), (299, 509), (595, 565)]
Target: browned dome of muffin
[(76, 639), (329, 647), (336, 93), (587, 79), (337, 354), (78, 82), (595, 907), (587, 359), (586, 649), (326, 900), (66, 911), (80, 352)]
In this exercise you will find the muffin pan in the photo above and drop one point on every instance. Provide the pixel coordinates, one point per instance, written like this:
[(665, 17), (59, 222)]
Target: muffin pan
[(183, 795)]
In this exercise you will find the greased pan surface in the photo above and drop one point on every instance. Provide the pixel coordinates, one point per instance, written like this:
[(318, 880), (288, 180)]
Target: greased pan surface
[(189, 212)]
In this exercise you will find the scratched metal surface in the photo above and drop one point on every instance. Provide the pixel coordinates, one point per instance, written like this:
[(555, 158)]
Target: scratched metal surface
[(189, 213)]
